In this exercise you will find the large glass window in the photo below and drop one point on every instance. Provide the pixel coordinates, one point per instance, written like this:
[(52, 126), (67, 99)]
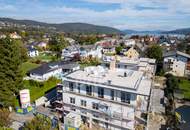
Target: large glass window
[(83, 103), (95, 106), (112, 94), (125, 97), (101, 92), (71, 86), (89, 90), (72, 100), (78, 88)]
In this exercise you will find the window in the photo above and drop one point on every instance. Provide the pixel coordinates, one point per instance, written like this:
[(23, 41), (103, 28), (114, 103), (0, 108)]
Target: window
[(89, 90), (72, 100), (95, 106), (101, 92), (96, 115), (71, 86), (73, 109), (112, 94), (125, 97), (83, 103), (78, 88)]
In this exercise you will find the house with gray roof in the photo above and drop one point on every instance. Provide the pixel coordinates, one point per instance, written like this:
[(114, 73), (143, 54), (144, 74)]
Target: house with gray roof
[(52, 69), (176, 62)]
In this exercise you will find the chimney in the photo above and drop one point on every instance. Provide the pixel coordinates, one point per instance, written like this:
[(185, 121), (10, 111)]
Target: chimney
[(112, 64)]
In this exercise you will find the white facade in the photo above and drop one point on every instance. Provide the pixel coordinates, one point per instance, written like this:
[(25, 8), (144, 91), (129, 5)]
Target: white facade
[(146, 65), (94, 53), (175, 65), (52, 73), (33, 53), (69, 52), (130, 42), (45, 76), (109, 98)]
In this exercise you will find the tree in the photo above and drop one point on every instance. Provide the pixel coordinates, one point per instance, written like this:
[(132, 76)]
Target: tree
[(4, 118), (155, 52), (118, 49), (39, 122), (10, 70), (57, 43), (172, 84)]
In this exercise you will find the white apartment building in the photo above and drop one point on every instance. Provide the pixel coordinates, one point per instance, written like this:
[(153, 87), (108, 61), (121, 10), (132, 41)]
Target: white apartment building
[(146, 65), (176, 62), (111, 98)]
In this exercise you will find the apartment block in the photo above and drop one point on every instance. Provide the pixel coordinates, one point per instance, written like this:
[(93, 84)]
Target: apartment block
[(112, 98)]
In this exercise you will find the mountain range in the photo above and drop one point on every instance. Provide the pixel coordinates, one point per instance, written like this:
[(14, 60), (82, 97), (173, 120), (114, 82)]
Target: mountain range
[(88, 28), (66, 27), (184, 31)]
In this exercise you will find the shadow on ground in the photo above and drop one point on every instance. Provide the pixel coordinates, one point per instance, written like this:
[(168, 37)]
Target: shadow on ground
[(184, 111)]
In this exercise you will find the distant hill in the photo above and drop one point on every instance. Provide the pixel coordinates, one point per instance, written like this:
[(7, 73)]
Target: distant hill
[(67, 27), (142, 32), (179, 31)]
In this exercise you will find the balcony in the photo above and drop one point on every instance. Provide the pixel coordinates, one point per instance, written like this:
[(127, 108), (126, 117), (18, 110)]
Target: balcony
[(101, 99), (124, 124)]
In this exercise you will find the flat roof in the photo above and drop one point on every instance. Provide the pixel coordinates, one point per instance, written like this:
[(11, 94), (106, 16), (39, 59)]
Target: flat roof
[(123, 79), (126, 60)]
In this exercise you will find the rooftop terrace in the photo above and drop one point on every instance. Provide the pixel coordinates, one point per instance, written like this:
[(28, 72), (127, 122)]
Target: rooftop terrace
[(127, 80)]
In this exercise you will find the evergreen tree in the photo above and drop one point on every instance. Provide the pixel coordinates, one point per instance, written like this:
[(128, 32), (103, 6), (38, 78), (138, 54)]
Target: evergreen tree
[(39, 123), (56, 44), (155, 52), (10, 71)]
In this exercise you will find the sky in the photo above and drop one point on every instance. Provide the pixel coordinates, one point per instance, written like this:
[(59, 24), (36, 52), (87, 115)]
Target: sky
[(122, 14)]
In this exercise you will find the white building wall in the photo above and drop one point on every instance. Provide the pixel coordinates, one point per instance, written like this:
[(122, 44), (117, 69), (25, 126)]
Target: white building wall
[(127, 111), (33, 53), (179, 65), (45, 76)]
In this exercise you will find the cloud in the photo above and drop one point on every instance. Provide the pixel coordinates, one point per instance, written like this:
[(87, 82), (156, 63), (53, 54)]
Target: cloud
[(107, 1), (6, 7), (130, 14)]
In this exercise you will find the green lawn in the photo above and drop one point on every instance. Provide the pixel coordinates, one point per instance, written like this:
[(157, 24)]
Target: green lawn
[(45, 57), (38, 89), (28, 66), (184, 85)]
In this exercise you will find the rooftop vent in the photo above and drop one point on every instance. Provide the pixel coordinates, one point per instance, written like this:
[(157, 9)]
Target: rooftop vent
[(109, 82)]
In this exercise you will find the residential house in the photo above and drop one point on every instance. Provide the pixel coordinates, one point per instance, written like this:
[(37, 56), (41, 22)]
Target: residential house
[(70, 40), (129, 42), (53, 69), (132, 53), (70, 52), (32, 52), (42, 45), (176, 62), (91, 50), (15, 36), (111, 98), (146, 65)]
